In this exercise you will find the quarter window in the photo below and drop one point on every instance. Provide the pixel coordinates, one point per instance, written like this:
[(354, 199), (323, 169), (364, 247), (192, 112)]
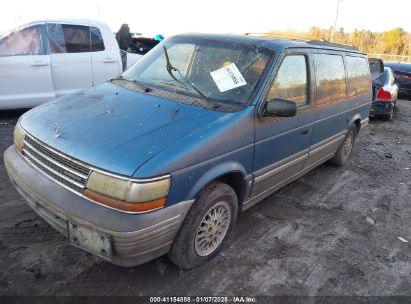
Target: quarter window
[(25, 41), (97, 43), (330, 78), (359, 81), (291, 81)]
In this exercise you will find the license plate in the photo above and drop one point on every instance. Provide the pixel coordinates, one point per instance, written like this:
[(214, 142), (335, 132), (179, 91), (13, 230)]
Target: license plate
[(90, 240)]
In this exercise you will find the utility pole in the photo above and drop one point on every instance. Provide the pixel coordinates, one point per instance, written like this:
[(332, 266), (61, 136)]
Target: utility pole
[(335, 21)]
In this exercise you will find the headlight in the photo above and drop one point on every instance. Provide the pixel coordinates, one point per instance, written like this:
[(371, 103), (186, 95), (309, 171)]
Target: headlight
[(19, 136), (125, 194)]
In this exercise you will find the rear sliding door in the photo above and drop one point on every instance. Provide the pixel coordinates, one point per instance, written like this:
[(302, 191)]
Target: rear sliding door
[(330, 118)]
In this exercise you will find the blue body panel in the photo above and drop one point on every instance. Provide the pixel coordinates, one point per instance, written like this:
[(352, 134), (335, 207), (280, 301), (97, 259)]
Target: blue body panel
[(281, 139), (223, 146), (328, 121), (113, 128)]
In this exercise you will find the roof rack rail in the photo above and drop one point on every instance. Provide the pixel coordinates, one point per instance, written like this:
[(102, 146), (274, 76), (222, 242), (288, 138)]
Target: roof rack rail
[(326, 43), (289, 36), (306, 38)]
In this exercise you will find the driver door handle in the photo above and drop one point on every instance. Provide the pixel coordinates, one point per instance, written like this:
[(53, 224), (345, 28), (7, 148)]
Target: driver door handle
[(305, 131), (39, 63), (109, 60)]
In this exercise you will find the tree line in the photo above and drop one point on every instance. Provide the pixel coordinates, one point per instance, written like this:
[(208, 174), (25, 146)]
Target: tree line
[(396, 42)]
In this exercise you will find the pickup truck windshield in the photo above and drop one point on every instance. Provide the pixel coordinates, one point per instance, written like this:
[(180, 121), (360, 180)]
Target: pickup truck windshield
[(215, 70)]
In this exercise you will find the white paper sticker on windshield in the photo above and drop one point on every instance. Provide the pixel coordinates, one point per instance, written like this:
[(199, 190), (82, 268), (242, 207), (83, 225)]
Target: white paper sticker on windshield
[(228, 78)]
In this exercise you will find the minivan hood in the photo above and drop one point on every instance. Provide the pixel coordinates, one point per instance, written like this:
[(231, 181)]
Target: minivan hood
[(114, 128)]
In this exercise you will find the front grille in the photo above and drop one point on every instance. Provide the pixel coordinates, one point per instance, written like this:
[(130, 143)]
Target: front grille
[(70, 173)]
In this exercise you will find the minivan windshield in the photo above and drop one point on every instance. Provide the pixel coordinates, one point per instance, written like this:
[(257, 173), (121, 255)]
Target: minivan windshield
[(212, 70)]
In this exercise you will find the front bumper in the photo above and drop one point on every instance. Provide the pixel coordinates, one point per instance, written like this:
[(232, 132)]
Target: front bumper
[(136, 238)]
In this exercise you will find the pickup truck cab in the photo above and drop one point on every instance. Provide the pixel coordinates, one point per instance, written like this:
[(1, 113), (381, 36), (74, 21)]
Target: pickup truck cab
[(162, 159), (47, 59)]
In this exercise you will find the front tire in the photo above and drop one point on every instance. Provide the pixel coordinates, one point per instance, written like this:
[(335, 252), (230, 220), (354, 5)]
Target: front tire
[(206, 227), (344, 150)]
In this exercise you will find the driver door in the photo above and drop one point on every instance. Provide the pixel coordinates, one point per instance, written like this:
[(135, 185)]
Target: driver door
[(25, 78), (282, 143)]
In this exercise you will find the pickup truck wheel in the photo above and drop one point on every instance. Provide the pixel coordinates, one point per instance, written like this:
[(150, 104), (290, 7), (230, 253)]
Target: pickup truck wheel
[(344, 150), (206, 227)]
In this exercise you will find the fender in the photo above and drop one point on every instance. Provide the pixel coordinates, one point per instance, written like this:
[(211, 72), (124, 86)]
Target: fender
[(215, 172)]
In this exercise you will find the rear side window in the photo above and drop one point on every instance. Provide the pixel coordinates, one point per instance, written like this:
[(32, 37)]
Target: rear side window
[(77, 38), (26, 41), (330, 78), (68, 38), (358, 76), (291, 81)]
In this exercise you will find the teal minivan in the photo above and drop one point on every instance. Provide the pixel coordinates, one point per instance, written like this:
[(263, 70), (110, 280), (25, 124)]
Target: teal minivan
[(162, 159)]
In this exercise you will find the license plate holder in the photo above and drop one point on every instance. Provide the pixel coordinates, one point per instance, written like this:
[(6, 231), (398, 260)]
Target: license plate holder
[(91, 240)]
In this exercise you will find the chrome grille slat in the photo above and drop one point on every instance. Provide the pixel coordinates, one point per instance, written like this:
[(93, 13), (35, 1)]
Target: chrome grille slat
[(42, 155), (53, 171), (56, 156), (68, 172)]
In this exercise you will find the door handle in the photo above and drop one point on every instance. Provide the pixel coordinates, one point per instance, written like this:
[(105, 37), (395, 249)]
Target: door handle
[(305, 131), (39, 63), (109, 60)]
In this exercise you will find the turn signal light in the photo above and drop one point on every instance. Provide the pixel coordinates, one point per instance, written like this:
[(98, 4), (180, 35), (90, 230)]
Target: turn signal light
[(123, 205)]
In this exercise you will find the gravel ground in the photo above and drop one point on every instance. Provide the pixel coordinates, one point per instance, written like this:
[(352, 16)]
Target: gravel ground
[(334, 231)]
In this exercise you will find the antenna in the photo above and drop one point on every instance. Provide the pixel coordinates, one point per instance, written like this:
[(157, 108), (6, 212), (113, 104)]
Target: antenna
[(91, 51), (335, 21)]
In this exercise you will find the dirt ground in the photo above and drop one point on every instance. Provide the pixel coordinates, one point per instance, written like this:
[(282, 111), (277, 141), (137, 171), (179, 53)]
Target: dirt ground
[(334, 231)]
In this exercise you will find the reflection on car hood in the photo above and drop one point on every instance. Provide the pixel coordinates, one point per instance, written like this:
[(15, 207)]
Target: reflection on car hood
[(113, 128)]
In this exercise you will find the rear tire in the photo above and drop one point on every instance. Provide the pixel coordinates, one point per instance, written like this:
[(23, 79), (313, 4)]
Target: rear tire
[(344, 150), (206, 227)]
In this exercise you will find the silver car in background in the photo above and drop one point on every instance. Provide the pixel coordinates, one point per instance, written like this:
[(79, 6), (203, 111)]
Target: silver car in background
[(385, 95)]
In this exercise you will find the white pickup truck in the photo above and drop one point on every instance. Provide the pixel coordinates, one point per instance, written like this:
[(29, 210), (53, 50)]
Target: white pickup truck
[(47, 59)]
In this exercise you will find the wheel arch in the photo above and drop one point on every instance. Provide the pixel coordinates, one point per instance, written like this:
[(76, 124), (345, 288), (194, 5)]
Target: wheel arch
[(231, 173), (356, 120)]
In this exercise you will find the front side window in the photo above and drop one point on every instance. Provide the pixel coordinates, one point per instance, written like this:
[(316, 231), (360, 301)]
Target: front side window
[(291, 81), (221, 71), (25, 41), (330, 78)]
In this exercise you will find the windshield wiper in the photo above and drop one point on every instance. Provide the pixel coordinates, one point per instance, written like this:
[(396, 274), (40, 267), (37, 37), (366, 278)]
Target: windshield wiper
[(170, 69)]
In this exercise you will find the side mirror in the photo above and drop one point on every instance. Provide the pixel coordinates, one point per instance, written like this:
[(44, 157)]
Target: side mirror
[(281, 108)]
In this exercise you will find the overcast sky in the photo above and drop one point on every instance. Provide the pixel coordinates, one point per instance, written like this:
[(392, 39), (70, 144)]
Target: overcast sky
[(170, 17)]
